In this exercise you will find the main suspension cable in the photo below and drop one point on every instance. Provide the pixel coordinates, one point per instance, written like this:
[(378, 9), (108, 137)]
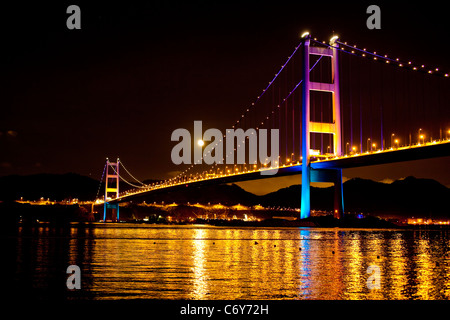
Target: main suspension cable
[(131, 174), (124, 180)]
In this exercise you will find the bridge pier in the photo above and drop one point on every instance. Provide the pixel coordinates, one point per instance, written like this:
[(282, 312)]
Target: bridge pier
[(338, 195), (114, 208), (305, 210), (322, 175)]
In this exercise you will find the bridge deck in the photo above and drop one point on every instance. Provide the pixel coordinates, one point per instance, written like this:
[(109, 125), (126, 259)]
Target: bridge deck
[(430, 150)]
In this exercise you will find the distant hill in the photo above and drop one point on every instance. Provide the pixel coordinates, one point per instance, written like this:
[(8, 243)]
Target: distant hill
[(53, 186), (409, 196), (406, 197)]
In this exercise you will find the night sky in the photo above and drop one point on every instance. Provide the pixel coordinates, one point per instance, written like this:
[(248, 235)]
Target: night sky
[(136, 72)]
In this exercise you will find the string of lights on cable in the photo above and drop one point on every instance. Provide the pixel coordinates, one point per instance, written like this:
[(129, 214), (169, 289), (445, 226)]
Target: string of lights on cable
[(353, 49)]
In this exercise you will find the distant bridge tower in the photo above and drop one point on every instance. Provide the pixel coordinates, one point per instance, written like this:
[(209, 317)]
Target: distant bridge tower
[(321, 175), (111, 189)]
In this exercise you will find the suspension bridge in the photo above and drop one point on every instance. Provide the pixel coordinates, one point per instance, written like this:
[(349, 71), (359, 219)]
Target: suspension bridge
[(336, 106)]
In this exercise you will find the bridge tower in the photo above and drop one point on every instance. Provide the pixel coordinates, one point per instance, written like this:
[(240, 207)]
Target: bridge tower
[(320, 175), (111, 189)]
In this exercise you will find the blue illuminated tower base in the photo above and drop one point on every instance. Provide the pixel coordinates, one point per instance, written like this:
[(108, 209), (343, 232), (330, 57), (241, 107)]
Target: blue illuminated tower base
[(114, 208), (322, 175)]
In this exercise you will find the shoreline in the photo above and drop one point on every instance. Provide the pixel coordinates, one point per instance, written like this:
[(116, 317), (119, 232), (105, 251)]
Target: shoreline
[(269, 223), (15, 214)]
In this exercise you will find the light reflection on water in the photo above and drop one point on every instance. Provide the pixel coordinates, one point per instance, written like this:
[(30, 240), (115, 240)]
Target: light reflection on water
[(201, 262)]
